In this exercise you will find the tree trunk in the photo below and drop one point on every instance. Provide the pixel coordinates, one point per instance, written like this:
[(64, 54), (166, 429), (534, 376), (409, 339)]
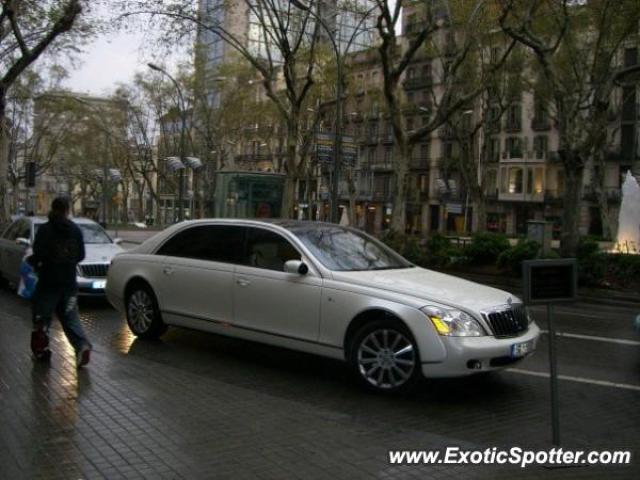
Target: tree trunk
[(4, 162), (479, 211), (399, 218), (571, 208)]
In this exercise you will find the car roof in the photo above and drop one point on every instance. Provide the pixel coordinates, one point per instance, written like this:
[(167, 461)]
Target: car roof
[(40, 219), (285, 223)]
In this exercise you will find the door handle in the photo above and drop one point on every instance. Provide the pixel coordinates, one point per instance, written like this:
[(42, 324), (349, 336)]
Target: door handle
[(168, 270), (242, 282)]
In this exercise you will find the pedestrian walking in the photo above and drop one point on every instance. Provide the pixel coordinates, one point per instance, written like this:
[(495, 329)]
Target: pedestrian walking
[(57, 250)]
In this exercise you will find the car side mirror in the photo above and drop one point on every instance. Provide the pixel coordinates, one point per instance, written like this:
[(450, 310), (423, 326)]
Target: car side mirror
[(117, 241), (23, 241), (296, 266)]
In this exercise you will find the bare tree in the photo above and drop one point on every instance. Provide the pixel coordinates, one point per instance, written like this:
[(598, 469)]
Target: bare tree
[(576, 47), (283, 54), (452, 28), (27, 29)]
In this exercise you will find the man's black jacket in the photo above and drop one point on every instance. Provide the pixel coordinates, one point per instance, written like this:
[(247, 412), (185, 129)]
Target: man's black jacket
[(57, 250)]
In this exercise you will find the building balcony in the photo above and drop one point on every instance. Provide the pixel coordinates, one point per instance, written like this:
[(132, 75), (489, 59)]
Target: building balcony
[(254, 158), (540, 124), (419, 163), (387, 138), (381, 165), (421, 108), (538, 197), (413, 28), (513, 127), (591, 195), (371, 139), (417, 83), (382, 195), (553, 197)]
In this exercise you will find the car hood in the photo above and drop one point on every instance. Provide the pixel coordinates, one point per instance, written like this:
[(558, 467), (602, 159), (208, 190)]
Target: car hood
[(432, 287), (100, 253)]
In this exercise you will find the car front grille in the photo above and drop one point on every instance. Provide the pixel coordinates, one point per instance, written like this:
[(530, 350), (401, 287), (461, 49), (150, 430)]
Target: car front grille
[(508, 322), (94, 271)]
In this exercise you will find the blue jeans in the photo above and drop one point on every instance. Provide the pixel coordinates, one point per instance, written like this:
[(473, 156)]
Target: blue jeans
[(64, 303)]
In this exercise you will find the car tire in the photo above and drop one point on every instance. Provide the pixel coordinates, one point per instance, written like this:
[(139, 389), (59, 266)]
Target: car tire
[(143, 313), (384, 357)]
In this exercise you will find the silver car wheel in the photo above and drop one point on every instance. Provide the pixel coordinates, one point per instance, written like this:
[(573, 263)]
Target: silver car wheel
[(140, 311), (386, 358)]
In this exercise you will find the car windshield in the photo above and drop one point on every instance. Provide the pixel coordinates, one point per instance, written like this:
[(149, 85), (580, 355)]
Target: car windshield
[(348, 250), (91, 233)]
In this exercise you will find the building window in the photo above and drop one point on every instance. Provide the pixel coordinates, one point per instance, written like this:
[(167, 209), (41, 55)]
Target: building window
[(424, 151), (494, 150), (540, 146), (627, 142), (515, 180), (491, 182), (538, 180), (388, 154), (629, 103), (513, 147), (560, 182), (514, 117), (630, 57)]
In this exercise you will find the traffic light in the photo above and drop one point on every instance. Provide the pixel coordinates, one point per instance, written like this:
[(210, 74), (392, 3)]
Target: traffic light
[(30, 174)]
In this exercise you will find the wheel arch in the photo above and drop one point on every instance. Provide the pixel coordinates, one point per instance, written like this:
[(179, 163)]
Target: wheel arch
[(134, 281), (364, 317)]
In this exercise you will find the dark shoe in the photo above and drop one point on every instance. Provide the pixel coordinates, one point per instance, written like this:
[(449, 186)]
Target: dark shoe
[(40, 345), (83, 356)]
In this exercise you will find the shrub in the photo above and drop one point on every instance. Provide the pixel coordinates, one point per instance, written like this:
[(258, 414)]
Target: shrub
[(485, 248), (591, 263), (405, 245), (513, 257), (439, 252)]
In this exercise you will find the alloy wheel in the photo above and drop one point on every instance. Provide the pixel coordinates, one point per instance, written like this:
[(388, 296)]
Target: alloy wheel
[(386, 358), (140, 311)]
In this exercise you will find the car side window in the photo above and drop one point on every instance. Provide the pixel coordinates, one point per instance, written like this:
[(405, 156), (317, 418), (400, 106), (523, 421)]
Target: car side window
[(266, 249), (24, 231), (12, 231), (217, 243)]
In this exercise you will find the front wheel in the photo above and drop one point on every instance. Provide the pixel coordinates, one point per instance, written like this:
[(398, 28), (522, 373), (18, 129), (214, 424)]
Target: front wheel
[(143, 313), (384, 357)]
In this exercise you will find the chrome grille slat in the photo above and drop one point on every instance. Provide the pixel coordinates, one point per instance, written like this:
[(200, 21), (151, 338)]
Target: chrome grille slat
[(98, 270), (508, 322)]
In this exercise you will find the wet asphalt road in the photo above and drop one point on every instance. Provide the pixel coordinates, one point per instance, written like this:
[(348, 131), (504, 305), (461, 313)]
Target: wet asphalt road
[(598, 357)]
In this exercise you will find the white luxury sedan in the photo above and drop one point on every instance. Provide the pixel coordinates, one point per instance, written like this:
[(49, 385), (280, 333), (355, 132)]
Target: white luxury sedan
[(319, 288), (17, 238)]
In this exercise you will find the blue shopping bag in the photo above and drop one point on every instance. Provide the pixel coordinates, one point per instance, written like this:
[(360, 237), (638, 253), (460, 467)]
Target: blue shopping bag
[(28, 280)]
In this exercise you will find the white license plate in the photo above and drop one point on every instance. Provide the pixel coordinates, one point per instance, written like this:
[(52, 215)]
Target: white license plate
[(521, 349), (99, 285)]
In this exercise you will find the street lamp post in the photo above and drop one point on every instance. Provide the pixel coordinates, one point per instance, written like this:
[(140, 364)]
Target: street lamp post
[(182, 137)]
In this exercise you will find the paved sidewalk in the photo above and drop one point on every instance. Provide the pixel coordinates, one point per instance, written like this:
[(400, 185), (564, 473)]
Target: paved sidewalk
[(193, 406)]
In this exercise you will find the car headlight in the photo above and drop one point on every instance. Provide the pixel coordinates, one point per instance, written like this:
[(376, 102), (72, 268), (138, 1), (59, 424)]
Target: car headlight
[(453, 323)]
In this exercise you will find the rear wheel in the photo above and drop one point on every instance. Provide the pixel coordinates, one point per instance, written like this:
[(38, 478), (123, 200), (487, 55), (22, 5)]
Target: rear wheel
[(384, 357), (143, 313)]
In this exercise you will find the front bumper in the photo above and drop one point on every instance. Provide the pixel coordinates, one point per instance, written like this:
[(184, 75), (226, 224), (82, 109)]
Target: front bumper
[(91, 287), (469, 355)]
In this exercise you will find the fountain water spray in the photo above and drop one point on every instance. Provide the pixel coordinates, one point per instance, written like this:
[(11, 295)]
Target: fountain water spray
[(628, 240)]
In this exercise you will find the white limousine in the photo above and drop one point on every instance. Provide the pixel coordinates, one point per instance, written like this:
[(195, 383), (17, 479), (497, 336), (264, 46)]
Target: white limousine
[(319, 288)]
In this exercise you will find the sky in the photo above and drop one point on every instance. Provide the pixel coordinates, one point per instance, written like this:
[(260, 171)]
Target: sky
[(105, 62)]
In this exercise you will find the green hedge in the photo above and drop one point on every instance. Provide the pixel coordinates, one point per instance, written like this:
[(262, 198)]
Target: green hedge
[(512, 258), (485, 248)]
